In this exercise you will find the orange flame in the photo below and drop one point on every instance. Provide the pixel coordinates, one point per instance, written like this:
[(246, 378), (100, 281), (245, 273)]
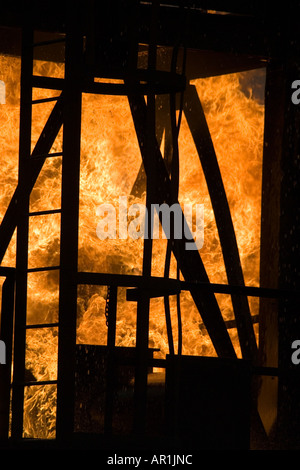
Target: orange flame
[(110, 161)]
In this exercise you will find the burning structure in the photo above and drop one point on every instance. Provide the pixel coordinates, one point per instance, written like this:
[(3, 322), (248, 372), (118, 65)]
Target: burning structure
[(138, 342)]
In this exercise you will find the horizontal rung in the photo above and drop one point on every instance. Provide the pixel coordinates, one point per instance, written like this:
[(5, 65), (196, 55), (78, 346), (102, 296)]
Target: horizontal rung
[(46, 268), (46, 155), (50, 83), (39, 382), (42, 325), (53, 211), (45, 100), (153, 282), (48, 43)]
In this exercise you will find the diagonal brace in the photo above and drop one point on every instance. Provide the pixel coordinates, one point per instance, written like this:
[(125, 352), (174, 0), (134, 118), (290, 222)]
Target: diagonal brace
[(200, 132), (24, 187), (190, 263)]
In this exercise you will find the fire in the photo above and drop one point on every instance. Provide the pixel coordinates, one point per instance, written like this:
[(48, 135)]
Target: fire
[(110, 161)]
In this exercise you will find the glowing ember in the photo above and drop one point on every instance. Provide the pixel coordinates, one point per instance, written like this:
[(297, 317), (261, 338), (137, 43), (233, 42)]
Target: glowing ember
[(110, 162)]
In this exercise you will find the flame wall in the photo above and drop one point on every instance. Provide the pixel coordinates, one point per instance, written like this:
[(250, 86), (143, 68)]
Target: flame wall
[(110, 161)]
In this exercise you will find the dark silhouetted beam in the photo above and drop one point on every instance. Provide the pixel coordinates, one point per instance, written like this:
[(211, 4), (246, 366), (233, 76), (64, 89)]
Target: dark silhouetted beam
[(190, 263), (201, 135)]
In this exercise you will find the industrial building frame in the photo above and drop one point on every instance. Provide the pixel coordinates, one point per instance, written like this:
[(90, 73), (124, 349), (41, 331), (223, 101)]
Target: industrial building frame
[(231, 37)]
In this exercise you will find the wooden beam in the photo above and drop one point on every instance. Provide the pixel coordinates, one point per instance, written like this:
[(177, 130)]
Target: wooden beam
[(238, 34), (289, 252), (190, 263), (201, 135), (279, 322), (111, 363), (69, 228), (251, 8), (269, 249), (173, 286), (253, 32), (143, 304), (19, 352)]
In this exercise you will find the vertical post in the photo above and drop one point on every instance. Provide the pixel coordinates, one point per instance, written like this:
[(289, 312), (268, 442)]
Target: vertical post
[(143, 305), (111, 359), (69, 226), (280, 324), (22, 234), (269, 247), (112, 317), (289, 253)]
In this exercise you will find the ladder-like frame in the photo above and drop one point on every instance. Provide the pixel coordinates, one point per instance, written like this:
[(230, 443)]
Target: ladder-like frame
[(67, 111)]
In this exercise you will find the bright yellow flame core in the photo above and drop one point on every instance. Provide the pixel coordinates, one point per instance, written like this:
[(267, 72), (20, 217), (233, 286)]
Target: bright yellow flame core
[(110, 161)]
